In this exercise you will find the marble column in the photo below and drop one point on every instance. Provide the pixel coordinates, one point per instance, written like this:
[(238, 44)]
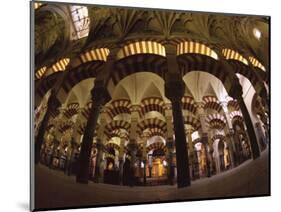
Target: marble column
[(174, 91), (52, 105), (99, 97), (237, 93)]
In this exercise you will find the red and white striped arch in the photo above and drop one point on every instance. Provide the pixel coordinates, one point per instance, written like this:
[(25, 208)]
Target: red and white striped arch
[(156, 132), (113, 146), (236, 116), (156, 145), (115, 125), (71, 110), (194, 122), (217, 136), (86, 111), (119, 106), (150, 124), (216, 121), (152, 104), (233, 105), (211, 102), (65, 125), (189, 104)]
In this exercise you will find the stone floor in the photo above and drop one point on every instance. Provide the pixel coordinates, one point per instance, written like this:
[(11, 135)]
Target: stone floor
[(56, 190)]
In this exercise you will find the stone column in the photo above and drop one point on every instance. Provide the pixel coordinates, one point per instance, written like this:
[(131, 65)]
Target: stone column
[(99, 158), (174, 90), (229, 134), (191, 152), (74, 142), (132, 141), (169, 143), (261, 135), (99, 97), (52, 105), (100, 149), (144, 155), (232, 148), (237, 93), (121, 156), (205, 138), (58, 137)]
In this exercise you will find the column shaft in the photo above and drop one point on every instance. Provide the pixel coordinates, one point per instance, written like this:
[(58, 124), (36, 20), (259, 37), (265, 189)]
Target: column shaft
[(250, 128), (180, 142), (53, 104)]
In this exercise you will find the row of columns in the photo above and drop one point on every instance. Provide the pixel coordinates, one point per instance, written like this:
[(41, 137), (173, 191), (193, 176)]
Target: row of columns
[(174, 91)]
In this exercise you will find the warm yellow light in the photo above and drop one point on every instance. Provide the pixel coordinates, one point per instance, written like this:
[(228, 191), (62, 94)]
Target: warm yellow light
[(37, 5), (60, 65), (230, 54), (187, 47), (256, 63), (39, 73), (142, 47), (94, 55), (257, 33)]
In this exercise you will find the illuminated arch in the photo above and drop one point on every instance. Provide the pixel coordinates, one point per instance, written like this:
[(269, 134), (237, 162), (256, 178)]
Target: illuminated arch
[(142, 47), (190, 47)]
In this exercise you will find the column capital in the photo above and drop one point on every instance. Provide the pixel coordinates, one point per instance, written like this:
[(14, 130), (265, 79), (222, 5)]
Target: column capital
[(189, 130), (224, 104)]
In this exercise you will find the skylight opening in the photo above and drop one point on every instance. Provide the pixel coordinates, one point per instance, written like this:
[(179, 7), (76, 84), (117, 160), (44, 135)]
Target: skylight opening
[(81, 21)]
